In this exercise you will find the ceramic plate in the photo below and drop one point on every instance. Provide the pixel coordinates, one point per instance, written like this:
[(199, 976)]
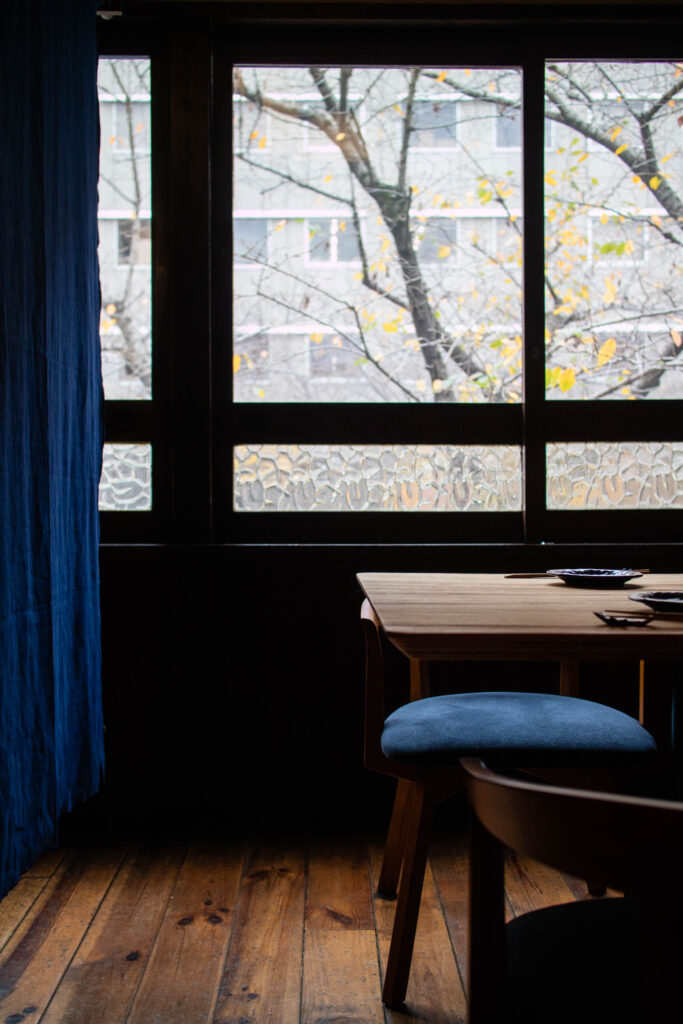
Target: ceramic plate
[(595, 577), (661, 600)]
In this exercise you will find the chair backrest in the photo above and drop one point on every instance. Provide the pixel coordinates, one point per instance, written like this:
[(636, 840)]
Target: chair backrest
[(611, 838), (633, 844), (375, 711)]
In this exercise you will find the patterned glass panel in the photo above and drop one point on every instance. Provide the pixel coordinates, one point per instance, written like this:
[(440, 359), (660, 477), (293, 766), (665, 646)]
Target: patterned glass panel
[(126, 482), (376, 478), (627, 475)]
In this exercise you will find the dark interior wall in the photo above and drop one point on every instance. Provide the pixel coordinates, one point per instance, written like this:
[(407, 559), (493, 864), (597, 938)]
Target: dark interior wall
[(233, 680)]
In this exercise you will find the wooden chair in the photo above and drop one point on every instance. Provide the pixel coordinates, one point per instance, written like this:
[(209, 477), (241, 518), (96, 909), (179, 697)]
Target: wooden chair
[(595, 961), (421, 743)]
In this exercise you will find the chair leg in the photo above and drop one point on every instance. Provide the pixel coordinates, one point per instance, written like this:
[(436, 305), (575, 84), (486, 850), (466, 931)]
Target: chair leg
[(419, 816), (395, 843)]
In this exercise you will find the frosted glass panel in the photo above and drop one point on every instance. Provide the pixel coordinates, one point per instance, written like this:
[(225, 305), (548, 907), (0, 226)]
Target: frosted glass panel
[(608, 476), (126, 482), (376, 478)]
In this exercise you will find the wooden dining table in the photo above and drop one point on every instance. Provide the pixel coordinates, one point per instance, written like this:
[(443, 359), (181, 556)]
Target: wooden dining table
[(447, 616)]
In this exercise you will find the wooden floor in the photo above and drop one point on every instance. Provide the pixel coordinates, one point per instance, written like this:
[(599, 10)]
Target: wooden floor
[(285, 932)]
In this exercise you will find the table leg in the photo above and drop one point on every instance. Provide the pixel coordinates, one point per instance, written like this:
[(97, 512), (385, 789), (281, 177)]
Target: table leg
[(419, 679), (569, 677)]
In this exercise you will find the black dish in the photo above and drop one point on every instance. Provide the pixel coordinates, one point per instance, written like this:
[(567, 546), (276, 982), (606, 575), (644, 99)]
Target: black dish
[(661, 600), (605, 578)]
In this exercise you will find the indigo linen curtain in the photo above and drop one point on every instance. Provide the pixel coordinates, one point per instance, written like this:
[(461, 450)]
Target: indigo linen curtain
[(51, 734)]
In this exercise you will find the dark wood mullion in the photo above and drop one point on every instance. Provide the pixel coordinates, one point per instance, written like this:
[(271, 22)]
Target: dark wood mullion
[(534, 309), (618, 420), (351, 423), (188, 284)]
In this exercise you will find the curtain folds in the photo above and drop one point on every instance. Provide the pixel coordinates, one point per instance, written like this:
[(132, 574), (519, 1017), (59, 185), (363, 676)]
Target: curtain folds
[(51, 733)]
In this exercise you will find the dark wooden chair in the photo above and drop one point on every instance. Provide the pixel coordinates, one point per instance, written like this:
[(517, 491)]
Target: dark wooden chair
[(595, 961), (421, 742)]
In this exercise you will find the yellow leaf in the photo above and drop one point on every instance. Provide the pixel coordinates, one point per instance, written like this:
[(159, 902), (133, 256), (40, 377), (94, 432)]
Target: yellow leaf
[(610, 291), (110, 308), (441, 76), (399, 110), (636, 179), (667, 157), (626, 391), (262, 142), (621, 149), (342, 225), (328, 177), (550, 178), (655, 182), (391, 327), (603, 218), (468, 72), (444, 251), (617, 131), (437, 385), (112, 140), (254, 135), (236, 362), (316, 338), (261, 393), (566, 379), (279, 226), (629, 246), (606, 351), (676, 338), (656, 220), (584, 156), (340, 136), (358, 276)]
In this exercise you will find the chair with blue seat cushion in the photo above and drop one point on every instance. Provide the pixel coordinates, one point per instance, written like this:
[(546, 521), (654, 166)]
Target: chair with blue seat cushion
[(614, 959), (421, 744)]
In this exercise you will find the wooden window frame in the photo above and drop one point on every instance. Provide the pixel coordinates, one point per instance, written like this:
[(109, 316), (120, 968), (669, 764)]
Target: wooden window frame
[(192, 422)]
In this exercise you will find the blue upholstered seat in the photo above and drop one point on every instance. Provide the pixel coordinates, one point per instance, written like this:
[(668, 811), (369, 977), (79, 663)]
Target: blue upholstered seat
[(515, 729)]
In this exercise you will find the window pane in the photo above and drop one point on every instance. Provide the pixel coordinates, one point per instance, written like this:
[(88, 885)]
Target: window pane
[(377, 478), (626, 475), (614, 231), (125, 251), (126, 482), (372, 219)]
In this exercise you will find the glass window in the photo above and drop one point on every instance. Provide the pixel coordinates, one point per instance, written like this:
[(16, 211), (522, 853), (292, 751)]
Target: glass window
[(125, 227), (434, 123), (377, 478), (250, 239), (433, 313), (628, 475), (614, 238), (126, 481)]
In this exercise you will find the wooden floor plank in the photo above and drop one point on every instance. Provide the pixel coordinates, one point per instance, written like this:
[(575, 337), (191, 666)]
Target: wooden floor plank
[(338, 890), (17, 904), (36, 958), (450, 867), (182, 977), (341, 976), (262, 978), (530, 885), (106, 971), (435, 991)]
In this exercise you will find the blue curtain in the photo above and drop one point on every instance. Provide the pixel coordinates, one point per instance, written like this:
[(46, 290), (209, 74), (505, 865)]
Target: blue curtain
[(51, 733)]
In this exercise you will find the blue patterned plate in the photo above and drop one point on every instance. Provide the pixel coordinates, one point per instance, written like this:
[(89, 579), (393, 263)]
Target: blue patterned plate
[(595, 577)]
